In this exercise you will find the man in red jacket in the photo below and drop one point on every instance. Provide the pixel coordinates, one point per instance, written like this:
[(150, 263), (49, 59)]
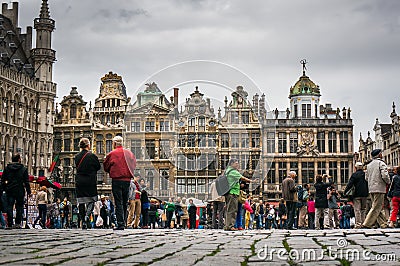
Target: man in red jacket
[(120, 164)]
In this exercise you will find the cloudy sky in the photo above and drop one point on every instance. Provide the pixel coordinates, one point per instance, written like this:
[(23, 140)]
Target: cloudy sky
[(353, 47)]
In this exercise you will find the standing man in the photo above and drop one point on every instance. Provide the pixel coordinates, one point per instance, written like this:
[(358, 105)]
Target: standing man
[(218, 203), (378, 177), (135, 205), (120, 164), (231, 197), (15, 181), (288, 192)]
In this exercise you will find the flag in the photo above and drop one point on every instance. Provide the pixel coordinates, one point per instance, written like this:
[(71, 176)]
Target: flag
[(53, 164)]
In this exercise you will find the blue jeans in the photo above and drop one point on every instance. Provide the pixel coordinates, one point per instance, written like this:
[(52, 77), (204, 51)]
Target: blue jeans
[(346, 222), (120, 190), (239, 216), (259, 221)]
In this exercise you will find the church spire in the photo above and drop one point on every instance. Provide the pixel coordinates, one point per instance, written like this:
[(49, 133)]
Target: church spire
[(44, 10)]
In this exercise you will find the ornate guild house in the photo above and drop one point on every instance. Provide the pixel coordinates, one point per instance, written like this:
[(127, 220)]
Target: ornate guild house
[(308, 138)]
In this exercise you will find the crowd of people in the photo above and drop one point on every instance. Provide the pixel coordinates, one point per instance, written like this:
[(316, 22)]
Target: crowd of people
[(370, 199)]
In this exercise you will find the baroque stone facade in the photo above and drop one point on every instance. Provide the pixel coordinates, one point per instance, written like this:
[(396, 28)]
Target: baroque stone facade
[(387, 138), (179, 153), (309, 138), (27, 91)]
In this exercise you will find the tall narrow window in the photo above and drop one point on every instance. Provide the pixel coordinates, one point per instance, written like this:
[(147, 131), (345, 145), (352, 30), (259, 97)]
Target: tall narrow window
[(212, 141), (296, 111), (136, 148), (306, 110), (344, 141), (150, 149), (255, 140), (201, 140), (164, 126), (321, 168), (244, 162), (165, 149), (344, 172), (211, 161), (72, 114), (164, 175), (202, 123), (307, 172), (224, 161), (108, 145), (245, 140), (332, 142), (191, 162), (255, 159), (293, 142), (333, 171), (181, 162), (321, 142), (282, 144), (282, 171), (191, 141), (271, 179), (224, 140), (270, 142), (245, 117), (235, 140)]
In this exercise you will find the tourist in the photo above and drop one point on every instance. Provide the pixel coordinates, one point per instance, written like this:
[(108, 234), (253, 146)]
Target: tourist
[(360, 195), (120, 164), (321, 199), (135, 205), (231, 197), (377, 177), (15, 182), (288, 191), (41, 204), (395, 190), (87, 165)]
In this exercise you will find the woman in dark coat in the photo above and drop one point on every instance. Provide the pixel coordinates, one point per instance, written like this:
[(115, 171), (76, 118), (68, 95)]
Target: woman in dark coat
[(87, 165), (321, 199)]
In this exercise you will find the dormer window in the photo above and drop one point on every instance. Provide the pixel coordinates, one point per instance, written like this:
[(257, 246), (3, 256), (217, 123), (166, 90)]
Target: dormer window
[(72, 111)]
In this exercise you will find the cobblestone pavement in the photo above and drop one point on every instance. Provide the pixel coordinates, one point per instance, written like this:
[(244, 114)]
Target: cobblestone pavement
[(199, 247)]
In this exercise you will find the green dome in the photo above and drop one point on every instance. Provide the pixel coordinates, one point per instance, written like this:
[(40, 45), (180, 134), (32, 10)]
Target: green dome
[(304, 86)]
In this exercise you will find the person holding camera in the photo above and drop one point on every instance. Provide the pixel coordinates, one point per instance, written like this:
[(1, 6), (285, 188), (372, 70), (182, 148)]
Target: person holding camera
[(321, 199)]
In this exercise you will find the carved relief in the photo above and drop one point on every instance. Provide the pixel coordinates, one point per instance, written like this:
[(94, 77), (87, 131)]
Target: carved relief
[(307, 145)]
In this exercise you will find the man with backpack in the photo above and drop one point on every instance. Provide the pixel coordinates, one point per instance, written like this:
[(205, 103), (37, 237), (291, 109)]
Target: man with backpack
[(303, 196), (15, 182)]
